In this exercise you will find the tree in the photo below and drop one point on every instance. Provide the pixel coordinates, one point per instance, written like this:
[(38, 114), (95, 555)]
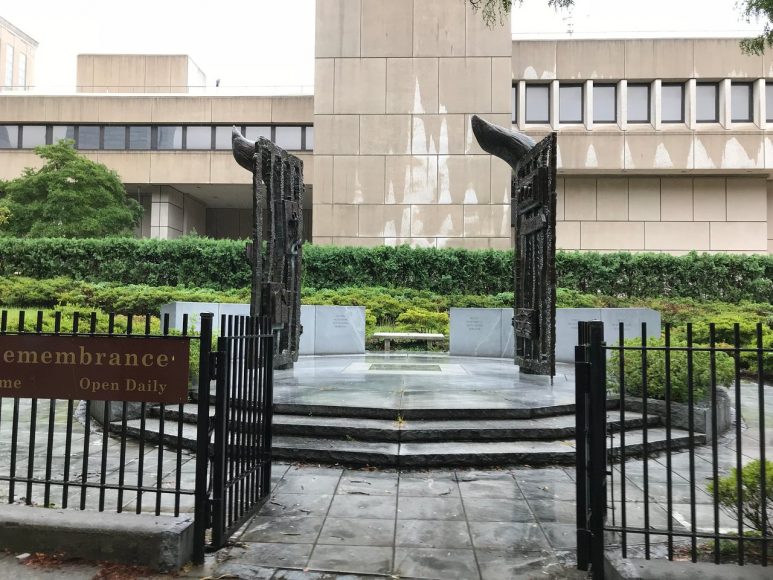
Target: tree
[(758, 9), (494, 11), (71, 196)]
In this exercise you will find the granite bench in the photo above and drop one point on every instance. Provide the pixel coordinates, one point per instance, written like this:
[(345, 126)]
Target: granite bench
[(388, 337)]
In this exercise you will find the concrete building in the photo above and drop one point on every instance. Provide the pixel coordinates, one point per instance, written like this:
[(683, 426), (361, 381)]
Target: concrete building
[(17, 58), (663, 144)]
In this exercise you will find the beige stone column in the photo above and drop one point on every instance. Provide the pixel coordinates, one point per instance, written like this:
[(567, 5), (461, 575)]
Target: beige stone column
[(395, 159)]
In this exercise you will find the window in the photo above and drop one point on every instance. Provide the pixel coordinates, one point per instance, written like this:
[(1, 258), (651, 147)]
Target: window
[(198, 138), (59, 132), (23, 70), (8, 65), (639, 103), (254, 133), (514, 105), (88, 137), (707, 103), (769, 101), (672, 103), (570, 103), (537, 103), (170, 137), (32, 136), (741, 107), (223, 137), (139, 137), (309, 138), (604, 103), (9, 136), (289, 138), (115, 137)]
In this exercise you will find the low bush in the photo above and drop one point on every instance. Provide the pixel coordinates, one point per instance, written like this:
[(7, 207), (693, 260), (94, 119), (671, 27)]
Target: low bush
[(421, 320), (633, 375), (753, 488)]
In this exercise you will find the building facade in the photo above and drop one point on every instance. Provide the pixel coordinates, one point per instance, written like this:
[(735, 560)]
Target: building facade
[(17, 58), (663, 143)]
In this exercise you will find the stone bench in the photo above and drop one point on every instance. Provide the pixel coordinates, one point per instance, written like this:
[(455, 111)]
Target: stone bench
[(388, 337)]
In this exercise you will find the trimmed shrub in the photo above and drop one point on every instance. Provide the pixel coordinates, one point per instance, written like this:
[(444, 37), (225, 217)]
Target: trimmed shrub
[(200, 262), (656, 371)]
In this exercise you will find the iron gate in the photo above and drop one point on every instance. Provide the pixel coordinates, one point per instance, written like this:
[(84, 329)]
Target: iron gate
[(693, 480), (237, 439)]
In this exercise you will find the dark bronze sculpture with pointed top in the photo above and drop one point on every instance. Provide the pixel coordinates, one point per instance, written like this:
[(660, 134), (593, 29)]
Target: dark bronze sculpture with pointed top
[(533, 218), (277, 240)]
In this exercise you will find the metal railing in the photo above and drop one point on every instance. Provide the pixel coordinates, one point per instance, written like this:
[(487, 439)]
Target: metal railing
[(56, 460), (710, 469)]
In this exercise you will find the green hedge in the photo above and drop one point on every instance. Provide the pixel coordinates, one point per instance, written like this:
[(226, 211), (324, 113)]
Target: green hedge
[(191, 261), (221, 264)]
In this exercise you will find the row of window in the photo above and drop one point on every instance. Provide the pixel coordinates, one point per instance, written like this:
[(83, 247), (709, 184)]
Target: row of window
[(152, 137), (8, 77), (571, 102)]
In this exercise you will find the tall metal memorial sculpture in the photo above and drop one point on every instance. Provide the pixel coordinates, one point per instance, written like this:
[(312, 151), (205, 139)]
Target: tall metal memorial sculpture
[(533, 217), (277, 240)]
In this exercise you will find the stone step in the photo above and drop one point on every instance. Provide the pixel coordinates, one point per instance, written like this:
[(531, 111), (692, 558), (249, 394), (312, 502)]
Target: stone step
[(434, 413), (459, 454), (411, 430), (425, 453)]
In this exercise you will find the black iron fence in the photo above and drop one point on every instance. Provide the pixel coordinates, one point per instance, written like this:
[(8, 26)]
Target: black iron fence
[(139, 461), (695, 483), (48, 457), (241, 461)]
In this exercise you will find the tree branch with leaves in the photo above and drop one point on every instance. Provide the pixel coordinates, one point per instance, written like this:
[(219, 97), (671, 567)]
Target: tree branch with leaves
[(495, 11), (757, 10)]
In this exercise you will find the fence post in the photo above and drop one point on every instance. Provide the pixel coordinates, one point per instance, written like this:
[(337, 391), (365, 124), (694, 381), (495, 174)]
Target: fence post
[(582, 382), (202, 440), (597, 455)]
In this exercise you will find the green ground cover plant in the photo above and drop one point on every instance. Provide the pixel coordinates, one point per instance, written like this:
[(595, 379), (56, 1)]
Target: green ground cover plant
[(406, 309)]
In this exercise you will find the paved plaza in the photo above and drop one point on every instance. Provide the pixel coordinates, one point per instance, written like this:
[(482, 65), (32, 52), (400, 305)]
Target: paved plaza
[(332, 522)]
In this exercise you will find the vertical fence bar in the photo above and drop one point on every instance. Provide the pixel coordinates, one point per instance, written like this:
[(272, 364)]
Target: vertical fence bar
[(221, 444), (241, 402), (33, 428), (598, 449), (68, 432), (51, 426), (581, 389), (141, 451), (645, 439), (738, 438), (160, 449), (15, 432), (623, 506), (261, 370), (231, 411), (122, 453), (3, 328), (669, 491), (201, 508), (714, 436), (106, 418), (179, 452), (691, 440), (763, 465), (87, 430)]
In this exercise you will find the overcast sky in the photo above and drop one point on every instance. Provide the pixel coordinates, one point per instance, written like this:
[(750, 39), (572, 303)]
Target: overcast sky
[(270, 43)]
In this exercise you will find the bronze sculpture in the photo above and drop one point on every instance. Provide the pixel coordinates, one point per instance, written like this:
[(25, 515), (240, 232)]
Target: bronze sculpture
[(533, 218), (277, 240)]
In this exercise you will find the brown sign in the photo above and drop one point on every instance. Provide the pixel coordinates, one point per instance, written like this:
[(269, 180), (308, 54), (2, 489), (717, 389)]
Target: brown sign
[(153, 370)]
